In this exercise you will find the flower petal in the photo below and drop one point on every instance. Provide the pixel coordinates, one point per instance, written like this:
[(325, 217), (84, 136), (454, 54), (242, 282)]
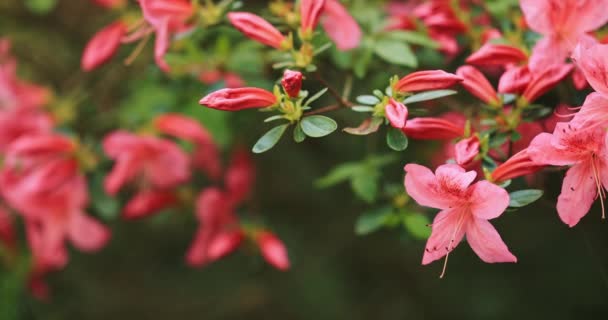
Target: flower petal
[(448, 230), (487, 243), (488, 200), (579, 190)]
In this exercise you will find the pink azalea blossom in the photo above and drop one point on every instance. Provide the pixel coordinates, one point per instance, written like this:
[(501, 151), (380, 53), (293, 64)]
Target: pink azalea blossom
[(585, 151), (465, 210), (340, 26), (167, 17), (562, 23)]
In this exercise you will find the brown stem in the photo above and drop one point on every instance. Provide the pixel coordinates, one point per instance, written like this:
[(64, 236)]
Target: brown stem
[(333, 91), (323, 110)]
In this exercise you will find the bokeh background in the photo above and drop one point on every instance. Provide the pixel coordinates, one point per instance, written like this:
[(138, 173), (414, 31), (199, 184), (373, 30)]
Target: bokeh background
[(562, 273)]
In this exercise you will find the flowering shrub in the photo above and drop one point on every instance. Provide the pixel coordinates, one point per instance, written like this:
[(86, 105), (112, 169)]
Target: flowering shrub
[(487, 81)]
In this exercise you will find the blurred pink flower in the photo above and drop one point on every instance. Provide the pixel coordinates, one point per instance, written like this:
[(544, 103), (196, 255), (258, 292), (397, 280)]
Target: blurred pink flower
[(310, 12), (340, 26), (466, 150), (103, 46), (258, 29), (273, 250)]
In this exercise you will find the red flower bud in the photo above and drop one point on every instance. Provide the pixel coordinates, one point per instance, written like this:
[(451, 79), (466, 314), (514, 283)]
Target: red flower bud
[(292, 83), (224, 244), (518, 165), (492, 54), (429, 128), (103, 46), (258, 29), (544, 81), (396, 113), (427, 80), (514, 80), (148, 202), (236, 99), (273, 250), (466, 150), (477, 84)]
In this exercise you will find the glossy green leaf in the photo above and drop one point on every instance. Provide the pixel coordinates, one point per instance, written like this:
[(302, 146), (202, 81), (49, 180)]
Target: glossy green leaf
[(298, 134), (417, 225), (523, 198), (429, 95), (318, 126), (368, 99), (372, 220), (316, 96), (270, 139), (395, 52), (396, 139)]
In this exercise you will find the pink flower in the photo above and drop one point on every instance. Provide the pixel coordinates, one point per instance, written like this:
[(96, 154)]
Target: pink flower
[(167, 17), (466, 150), (103, 46), (238, 99), (219, 231), (592, 59), (148, 202), (240, 176), (310, 11), (585, 151), (429, 128), (544, 81), (478, 85), (273, 250), (206, 154), (493, 54), (258, 29), (160, 163), (466, 210), (396, 113), (292, 82), (427, 80), (340, 26), (14, 92), (514, 80), (16, 123), (41, 180), (562, 23)]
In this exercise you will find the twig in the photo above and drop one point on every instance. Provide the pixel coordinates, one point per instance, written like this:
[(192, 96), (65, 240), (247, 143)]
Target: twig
[(333, 91), (324, 109)]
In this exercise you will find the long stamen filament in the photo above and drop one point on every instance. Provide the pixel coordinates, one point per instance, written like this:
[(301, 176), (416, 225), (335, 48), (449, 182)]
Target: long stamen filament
[(600, 190), (450, 245)]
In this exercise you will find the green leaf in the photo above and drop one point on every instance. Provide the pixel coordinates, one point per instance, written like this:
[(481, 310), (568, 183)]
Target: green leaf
[(417, 225), (367, 99), (41, 6), (318, 126), (269, 139), (316, 96), (365, 185), (413, 37), (523, 198), (362, 61), (395, 52), (362, 108), (396, 139), (429, 95), (298, 134), (273, 118), (372, 220), (339, 174)]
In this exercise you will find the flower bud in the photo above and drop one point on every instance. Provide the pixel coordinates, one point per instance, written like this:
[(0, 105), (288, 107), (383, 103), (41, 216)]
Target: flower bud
[(544, 81), (310, 11), (466, 150), (518, 165), (477, 84), (236, 99), (292, 83), (273, 250), (429, 128), (514, 80), (258, 29), (492, 54), (396, 113), (148, 202), (103, 46), (427, 80), (224, 244)]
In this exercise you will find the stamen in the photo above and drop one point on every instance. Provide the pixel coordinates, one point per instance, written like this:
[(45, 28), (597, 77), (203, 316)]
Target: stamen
[(600, 189), (451, 246), (137, 50)]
